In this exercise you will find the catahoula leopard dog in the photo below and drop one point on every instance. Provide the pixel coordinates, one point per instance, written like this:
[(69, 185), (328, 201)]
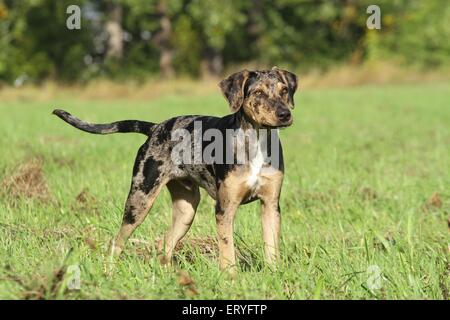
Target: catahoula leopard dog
[(258, 100)]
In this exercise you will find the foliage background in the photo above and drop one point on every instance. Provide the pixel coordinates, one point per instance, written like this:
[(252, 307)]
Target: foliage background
[(203, 37)]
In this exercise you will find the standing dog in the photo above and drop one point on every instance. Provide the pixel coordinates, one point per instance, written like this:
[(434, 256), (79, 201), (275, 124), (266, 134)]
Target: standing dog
[(258, 100)]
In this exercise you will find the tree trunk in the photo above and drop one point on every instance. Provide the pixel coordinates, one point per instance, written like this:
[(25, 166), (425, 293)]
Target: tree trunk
[(162, 40), (212, 63), (115, 32), (255, 16)]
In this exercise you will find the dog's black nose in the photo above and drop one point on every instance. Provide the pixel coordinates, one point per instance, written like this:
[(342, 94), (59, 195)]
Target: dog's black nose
[(283, 114)]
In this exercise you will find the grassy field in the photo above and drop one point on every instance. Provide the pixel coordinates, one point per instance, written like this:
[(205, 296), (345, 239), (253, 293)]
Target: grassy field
[(367, 184)]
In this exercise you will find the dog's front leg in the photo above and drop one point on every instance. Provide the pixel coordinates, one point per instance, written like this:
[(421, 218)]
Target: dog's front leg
[(271, 221), (269, 193), (225, 218)]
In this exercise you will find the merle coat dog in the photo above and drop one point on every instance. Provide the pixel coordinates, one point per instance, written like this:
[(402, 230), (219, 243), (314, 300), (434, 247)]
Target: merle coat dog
[(258, 100)]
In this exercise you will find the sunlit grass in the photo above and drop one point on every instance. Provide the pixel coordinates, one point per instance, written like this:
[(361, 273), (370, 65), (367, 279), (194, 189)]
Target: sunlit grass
[(367, 183)]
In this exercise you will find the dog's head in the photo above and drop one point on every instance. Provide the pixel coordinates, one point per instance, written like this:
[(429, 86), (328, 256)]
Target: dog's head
[(266, 97)]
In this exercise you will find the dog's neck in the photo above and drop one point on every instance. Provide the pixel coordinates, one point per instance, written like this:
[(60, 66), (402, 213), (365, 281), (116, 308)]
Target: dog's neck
[(244, 122), (265, 149)]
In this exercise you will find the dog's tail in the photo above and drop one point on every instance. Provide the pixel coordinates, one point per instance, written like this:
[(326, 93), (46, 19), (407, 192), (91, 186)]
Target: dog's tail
[(108, 128)]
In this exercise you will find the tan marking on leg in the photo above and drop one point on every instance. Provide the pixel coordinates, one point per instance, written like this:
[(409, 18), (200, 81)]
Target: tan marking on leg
[(227, 255), (184, 205), (230, 195), (269, 194)]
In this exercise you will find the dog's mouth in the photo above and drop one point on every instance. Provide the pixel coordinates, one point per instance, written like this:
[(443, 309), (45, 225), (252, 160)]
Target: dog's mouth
[(282, 125), (278, 126)]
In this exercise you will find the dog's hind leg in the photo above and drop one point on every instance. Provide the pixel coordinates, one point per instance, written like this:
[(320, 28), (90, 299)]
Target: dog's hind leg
[(148, 180), (136, 209), (185, 198)]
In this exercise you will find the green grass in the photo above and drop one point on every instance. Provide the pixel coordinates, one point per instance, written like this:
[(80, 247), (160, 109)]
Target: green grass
[(361, 166)]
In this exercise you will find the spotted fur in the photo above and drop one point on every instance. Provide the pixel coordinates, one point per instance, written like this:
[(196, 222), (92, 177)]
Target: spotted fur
[(258, 99)]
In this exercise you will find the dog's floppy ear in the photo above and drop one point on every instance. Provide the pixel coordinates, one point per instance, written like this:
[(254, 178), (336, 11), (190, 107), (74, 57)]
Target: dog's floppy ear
[(233, 88), (290, 79)]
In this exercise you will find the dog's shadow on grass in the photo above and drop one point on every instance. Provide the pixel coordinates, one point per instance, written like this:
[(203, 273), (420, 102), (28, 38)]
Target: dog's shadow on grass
[(248, 259), (190, 250)]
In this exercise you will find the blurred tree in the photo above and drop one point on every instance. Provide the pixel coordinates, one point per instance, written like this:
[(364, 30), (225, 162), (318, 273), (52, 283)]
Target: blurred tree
[(151, 21), (134, 38), (114, 29), (215, 20), (37, 44), (296, 32), (162, 39), (414, 31), (188, 51)]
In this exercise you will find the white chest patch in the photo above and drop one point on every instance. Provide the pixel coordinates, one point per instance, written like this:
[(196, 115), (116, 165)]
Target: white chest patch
[(256, 165)]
